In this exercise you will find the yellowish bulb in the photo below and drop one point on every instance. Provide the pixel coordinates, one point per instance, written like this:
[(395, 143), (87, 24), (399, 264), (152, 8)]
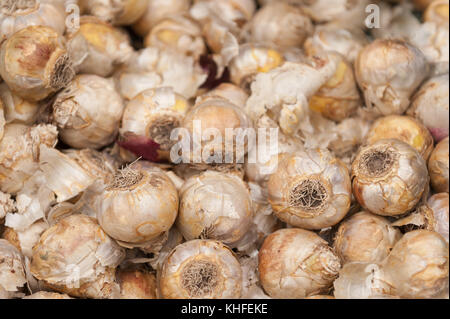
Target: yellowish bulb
[(405, 129)]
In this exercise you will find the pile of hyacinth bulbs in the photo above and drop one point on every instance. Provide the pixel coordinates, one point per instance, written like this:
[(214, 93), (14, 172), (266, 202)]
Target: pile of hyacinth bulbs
[(351, 197)]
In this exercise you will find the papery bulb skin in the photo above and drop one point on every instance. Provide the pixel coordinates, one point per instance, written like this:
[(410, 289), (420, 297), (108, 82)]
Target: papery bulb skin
[(138, 206), (19, 153), (215, 206), (158, 10), (418, 265), (405, 129), (431, 106), (251, 60), (179, 33), (201, 269), (7, 205), (222, 18), (136, 284), (17, 109), (437, 215), (365, 237), (12, 268), (347, 42), (97, 47), (17, 15), (88, 112), (296, 263), (389, 177), (387, 91), (280, 25), (438, 166), (151, 117), (310, 189), (45, 295), (34, 63), (75, 256), (214, 126), (339, 97), (283, 93), (359, 280), (25, 240), (116, 12)]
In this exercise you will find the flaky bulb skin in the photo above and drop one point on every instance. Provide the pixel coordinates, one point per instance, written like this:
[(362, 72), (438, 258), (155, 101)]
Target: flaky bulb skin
[(88, 112), (201, 269), (431, 106), (405, 129), (34, 63), (74, 255), (438, 166), (281, 25), (310, 189), (253, 59), (388, 72), (17, 109), (389, 177), (138, 206), (418, 265), (215, 205), (439, 204), (365, 237), (296, 263)]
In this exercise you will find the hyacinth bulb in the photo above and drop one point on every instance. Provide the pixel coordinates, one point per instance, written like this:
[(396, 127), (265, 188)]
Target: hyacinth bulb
[(149, 120), (418, 265), (389, 177), (216, 206), (34, 63), (17, 15), (296, 263), (310, 189), (98, 48), (280, 25), (87, 269), (365, 237), (388, 72), (88, 112), (405, 129), (140, 204), (201, 269)]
